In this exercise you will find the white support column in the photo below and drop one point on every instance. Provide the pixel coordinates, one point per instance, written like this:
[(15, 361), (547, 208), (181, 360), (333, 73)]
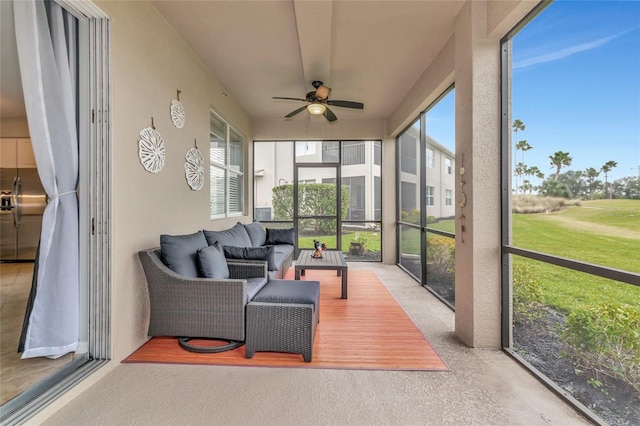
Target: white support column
[(477, 77)]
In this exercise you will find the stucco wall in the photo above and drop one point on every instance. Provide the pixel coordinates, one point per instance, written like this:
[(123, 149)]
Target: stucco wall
[(149, 63), (478, 286)]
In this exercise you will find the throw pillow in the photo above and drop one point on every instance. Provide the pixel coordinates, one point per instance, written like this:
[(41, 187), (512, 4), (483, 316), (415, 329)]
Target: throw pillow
[(253, 253), (212, 262), (235, 236), (256, 233), (179, 252), (281, 236)]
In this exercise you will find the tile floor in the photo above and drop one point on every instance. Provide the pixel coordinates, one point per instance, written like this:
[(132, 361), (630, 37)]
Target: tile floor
[(18, 374)]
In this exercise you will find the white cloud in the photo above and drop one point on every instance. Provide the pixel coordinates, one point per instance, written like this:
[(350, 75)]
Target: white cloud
[(563, 53)]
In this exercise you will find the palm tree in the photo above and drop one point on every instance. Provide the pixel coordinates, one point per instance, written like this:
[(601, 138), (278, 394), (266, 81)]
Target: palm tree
[(558, 160), (608, 166), (523, 146), (517, 125), (520, 171), (534, 171), (591, 175)]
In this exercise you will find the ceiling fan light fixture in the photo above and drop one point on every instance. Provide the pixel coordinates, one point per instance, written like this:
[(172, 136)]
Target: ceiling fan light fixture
[(322, 92), (316, 109)]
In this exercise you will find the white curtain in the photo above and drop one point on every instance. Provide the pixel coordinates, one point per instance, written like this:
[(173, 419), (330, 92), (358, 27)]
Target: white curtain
[(46, 38)]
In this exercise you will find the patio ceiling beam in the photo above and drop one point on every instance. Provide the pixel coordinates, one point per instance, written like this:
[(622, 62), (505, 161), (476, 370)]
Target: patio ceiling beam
[(314, 24)]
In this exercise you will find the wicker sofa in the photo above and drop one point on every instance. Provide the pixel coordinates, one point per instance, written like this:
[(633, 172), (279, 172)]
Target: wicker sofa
[(191, 298), (199, 307)]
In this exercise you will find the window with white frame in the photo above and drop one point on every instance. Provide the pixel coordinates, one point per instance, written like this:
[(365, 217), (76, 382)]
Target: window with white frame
[(448, 165), (448, 197), (226, 158), (431, 158), (431, 192)]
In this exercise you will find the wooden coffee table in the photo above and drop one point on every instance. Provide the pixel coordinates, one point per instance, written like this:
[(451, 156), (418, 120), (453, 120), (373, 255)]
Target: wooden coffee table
[(331, 259)]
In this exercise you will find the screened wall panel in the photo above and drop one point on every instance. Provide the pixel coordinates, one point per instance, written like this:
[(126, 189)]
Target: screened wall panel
[(314, 166)]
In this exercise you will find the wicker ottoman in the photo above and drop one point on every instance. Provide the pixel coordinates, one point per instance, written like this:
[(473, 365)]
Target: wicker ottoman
[(283, 317)]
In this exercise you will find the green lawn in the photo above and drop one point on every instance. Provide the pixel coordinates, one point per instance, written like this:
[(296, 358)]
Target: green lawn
[(444, 225), (372, 237), (604, 232), (595, 233)]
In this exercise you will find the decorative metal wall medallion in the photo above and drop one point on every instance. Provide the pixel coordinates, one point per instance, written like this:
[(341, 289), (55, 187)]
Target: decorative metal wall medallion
[(194, 169), (151, 150), (177, 113)]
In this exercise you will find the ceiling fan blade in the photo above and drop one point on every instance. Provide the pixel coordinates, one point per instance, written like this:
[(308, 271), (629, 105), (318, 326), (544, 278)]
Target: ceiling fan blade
[(289, 99), (346, 104), (294, 112), (329, 115)]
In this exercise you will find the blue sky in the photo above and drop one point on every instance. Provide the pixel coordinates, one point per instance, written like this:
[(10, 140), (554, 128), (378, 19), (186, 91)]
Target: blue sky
[(576, 87)]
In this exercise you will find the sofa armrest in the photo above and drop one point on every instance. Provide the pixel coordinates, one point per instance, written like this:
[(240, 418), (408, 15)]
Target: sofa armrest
[(243, 269), (194, 307)]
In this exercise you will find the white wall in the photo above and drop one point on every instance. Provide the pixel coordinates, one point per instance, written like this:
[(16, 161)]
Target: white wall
[(149, 63)]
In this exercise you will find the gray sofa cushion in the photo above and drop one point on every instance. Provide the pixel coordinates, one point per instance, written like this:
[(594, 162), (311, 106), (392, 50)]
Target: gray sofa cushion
[(284, 249), (235, 236), (254, 285), (180, 252), (282, 252), (281, 236), (256, 232), (212, 262), (253, 253)]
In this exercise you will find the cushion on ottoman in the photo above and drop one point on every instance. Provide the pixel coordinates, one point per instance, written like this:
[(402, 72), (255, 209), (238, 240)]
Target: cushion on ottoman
[(283, 317), (290, 291)]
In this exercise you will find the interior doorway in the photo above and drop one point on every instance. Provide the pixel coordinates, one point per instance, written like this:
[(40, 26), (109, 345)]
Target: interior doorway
[(93, 191), (23, 202)]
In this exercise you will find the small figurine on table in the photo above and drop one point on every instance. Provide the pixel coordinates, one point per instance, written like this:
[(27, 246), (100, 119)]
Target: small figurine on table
[(319, 248)]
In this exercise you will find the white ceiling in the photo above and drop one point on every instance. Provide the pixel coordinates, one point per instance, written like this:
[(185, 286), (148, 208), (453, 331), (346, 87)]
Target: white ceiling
[(366, 51)]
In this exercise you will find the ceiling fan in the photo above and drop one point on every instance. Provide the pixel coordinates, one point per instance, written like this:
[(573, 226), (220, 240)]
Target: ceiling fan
[(318, 100)]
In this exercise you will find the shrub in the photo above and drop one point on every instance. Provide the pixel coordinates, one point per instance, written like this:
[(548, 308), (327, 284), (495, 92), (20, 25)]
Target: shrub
[(440, 255), (554, 188), (605, 339), (535, 204), (314, 199), (431, 219), (527, 293)]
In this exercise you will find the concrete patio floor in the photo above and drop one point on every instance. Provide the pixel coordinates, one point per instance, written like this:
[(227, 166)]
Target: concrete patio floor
[(485, 387)]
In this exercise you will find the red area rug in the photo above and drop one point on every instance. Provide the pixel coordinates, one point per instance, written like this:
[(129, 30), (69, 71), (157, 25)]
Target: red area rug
[(369, 330)]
